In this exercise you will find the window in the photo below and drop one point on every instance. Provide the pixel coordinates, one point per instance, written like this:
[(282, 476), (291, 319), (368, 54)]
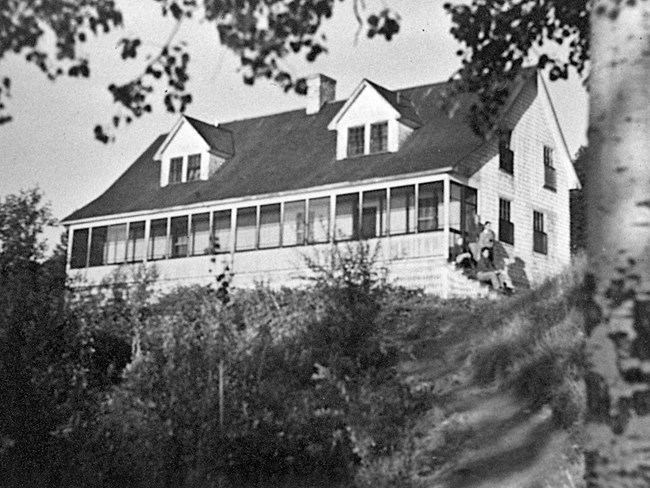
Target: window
[(379, 137), (270, 226), (373, 214), (430, 203), (246, 234), (135, 244), (319, 220), (540, 239), (293, 229), (179, 237), (347, 217), (200, 234), (356, 139), (221, 231), (506, 227), (176, 170), (402, 210), (549, 169), (115, 244), (97, 246), (79, 254), (506, 156), (158, 239), (194, 167)]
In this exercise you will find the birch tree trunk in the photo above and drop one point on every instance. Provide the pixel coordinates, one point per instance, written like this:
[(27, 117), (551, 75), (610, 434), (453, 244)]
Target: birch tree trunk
[(617, 310)]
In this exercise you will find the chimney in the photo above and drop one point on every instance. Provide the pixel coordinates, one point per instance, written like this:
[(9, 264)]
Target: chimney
[(320, 90)]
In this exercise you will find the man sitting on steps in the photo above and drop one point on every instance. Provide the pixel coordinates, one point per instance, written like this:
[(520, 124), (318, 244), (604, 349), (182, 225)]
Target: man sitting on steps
[(487, 272)]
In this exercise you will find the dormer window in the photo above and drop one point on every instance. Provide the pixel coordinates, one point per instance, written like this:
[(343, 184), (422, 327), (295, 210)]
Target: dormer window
[(194, 167), (176, 170), (379, 137), (356, 141)]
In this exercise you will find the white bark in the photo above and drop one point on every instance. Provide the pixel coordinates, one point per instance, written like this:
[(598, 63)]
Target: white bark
[(618, 200)]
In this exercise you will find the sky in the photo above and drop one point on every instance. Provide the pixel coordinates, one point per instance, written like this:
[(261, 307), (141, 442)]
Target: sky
[(50, 141)]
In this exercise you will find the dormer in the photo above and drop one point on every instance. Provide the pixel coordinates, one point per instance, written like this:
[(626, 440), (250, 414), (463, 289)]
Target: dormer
[(373, 120), (192, 151)]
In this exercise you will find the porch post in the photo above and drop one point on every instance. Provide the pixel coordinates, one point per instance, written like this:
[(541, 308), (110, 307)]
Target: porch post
[(446, 199)]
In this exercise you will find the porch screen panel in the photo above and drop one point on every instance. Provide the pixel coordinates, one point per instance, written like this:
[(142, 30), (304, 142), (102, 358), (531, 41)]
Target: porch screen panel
[(200, 234), (455, 203), (293, 228), (373, 214), (347, 217), (270, 225), (79, 254), (116, 244), (246, 235), (221, 231), (97, 246), (179, 237), (402, 210), (430, 206), (158, 239), (319, 220), (135, 245)]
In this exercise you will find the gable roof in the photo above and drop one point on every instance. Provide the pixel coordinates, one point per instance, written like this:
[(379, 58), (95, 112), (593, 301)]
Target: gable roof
[(399, 102), (219, 139), (291, 151)]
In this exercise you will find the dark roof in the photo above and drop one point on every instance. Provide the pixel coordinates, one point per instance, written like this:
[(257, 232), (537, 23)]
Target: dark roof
[(399, 101), (218, 139), (290, 151)]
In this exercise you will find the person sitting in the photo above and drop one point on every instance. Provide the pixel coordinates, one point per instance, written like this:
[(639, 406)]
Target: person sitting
[(487, 272), (460, 254)]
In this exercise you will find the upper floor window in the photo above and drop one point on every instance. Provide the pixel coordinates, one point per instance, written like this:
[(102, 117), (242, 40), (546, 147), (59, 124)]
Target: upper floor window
[(176, 170), (540, 239), (506, 156), (194, 167), (379, 137), (356, 141), (506, 227), (549, 169)]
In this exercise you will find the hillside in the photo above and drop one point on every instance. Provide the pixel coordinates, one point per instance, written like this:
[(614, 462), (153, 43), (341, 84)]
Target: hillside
[(504, 382)]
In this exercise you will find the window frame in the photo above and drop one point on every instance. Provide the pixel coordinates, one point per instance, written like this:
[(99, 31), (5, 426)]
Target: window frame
[(359, 132), (410, 208), (80, 241), (300, 228), (176, 173), (540, 238), (193, 172), (247, 212), (131, 242), (355, 213), (506, 226), (550, 175), (264, 212), (506, 154), (383, 137)]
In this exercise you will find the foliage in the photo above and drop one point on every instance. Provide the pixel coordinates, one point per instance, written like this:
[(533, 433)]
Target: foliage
[(499, 36), (579, 205), (260, 33)]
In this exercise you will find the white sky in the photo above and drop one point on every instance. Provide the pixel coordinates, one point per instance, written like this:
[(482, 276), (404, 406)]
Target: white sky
[(50, 142)]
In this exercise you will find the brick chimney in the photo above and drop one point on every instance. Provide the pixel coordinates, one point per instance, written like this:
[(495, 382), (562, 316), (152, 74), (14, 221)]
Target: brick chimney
[(320, 90)]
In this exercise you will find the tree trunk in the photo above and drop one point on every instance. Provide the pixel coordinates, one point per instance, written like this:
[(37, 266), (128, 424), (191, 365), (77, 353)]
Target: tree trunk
[(617, 308)]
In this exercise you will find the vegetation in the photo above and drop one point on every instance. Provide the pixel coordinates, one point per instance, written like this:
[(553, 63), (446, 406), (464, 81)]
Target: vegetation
[(347, 381)]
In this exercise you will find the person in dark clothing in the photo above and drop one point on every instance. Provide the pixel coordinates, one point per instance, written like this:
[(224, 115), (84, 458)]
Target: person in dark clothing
[(488, 273), (460, 254), (486, 239)]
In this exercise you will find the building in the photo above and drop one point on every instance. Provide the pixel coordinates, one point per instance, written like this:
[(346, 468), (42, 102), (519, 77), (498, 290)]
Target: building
[(386, 166)]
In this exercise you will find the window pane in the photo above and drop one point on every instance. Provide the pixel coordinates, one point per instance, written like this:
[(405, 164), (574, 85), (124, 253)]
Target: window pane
[(246, 228), (158, 239), (200, 234), (270, 225), (293, 230), (373, 214), (402, 210), (347, 217), (135, 244), (116, 244), (356, 141), (430, 205), (176, 170), (379, 137), (194, 167), (179, 238), (221, 231), (319, 220), (79, 252), (97, 245), (455, 199)]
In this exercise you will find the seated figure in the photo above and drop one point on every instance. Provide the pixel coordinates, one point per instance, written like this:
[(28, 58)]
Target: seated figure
[(487, 272), (460, 255)]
